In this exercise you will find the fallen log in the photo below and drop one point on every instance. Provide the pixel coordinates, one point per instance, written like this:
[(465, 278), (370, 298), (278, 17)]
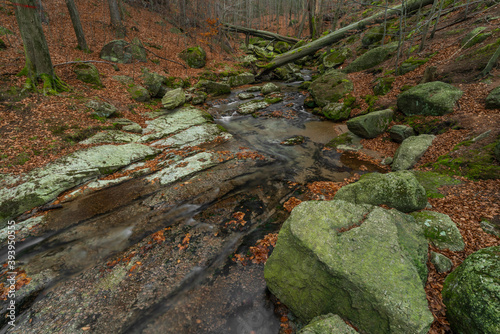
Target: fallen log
[(339, 34), (259, 33)]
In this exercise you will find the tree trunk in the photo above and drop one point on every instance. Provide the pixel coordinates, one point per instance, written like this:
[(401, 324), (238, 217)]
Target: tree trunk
[(116, 20), (259, 33), (36, 51), (77, 25), (335, 36)]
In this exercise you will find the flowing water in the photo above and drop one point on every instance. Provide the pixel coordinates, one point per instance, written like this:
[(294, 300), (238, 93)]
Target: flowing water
[(209, 293)]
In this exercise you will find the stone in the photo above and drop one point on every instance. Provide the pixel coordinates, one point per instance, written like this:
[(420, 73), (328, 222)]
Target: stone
[(252, 106), (399, 190), (194, 136), (139, 93), (120, 51), (383, 86), (214, 88), (44, 184), (474, 37), (101, 109), (88, 73), (440, 230), (493, 99), (241, 79), (441, 262), (173, 99), (471, 293), (430, 99), (371, 125), (154, 83), (336, 57), (492, 227), (289, 73), (336, 111), (371, 58), (327, 324), (410, 151), (292, 141), (174, 122), (364, 263), (111, 136), (194, 56), (372, 36), (399, 133), (330, 87), (134, 127), (254, 89), (269, 88), (245, 96)]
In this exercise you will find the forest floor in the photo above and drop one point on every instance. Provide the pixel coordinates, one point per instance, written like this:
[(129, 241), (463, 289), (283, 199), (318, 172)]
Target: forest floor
[(37, 129)]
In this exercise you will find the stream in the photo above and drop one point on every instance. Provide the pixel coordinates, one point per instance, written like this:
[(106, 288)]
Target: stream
[(143, 258)]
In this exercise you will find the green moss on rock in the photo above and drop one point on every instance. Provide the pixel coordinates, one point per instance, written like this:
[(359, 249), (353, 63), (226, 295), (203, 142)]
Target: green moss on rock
[(194, 56), (330, 87), (440, 230)]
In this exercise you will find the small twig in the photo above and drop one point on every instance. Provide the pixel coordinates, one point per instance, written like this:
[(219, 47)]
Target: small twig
[(86, 61), (173, 61)]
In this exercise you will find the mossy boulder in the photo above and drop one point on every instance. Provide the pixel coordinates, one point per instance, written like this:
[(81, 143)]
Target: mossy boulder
[(292, 141), (194, 56), (139, 93), (214, 88), (269, 88), (241, 79), (410, 151), (173, 99), (336, 111), (88, 73), (101, 109), (493, 99), (120, 51), (336, 57), (372, 36), (371, 58), (383, 85), (282, 47), (440, 230), (371, 125), (411, 64), (399, 133), (471, 293), (327, 324), (364, 263), (399, 190), (441, 262), (330, 87), (289, 72), (252, 106), (155, 83), (474, 37), (430, 99)]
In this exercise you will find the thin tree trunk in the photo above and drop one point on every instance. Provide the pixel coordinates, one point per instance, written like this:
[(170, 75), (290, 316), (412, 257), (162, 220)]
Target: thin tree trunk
[(116, 20), (77, 25), (437, 19), (428, 24), (338, 35)]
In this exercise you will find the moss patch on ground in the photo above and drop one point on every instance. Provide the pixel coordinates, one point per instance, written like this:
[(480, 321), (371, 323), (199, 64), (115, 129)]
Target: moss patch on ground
[(432, 181)]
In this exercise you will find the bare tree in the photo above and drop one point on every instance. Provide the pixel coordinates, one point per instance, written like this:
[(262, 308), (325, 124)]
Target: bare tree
[(38, 62), (77, 25), (116, 20)]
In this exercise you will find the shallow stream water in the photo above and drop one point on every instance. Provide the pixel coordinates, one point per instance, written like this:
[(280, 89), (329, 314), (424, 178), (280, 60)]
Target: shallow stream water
[(200, 290)]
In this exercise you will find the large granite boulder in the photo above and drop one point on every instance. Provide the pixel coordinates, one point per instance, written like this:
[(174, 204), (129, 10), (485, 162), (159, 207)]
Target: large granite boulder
[(120, 51), (327, 324), (440, 230), (493, 99), (336, 57), (371, 125), (399, 190), (471, 293), (399, 133), (430, 99), (173, 99), (269, 88), (101, 109), (44, 184), (194, 56), (336, 111), (371, 58), (364, 263), (330, 87), (213, 88), (410, 151), (139, 93), (154, 83)]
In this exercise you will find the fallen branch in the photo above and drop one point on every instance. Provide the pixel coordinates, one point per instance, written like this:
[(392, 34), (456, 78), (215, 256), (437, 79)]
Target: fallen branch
[(337, 35), (86, 61), (259, 33)]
